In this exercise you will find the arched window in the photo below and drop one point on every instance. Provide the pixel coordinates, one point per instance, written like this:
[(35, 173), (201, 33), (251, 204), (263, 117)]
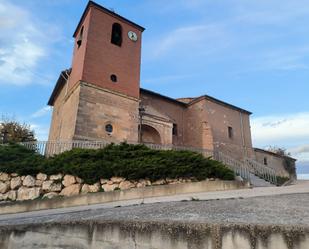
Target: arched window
[(116, 34)]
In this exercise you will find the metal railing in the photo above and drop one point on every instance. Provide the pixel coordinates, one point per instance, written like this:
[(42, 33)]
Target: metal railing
[(241, 168), (261, 170), (237, 166)]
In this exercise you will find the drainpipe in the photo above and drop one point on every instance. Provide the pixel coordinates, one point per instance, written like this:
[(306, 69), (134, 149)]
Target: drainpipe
[(242, 135)]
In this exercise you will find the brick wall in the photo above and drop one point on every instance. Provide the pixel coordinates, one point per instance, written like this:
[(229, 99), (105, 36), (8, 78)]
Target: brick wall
[(97, 59)]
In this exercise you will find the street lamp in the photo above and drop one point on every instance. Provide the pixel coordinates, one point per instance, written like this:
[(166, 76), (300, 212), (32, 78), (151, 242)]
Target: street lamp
[(141, 111)]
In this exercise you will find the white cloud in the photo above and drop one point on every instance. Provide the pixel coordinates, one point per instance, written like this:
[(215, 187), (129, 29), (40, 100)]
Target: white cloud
[(40, 131), (41, 112), (301, 152), (195, 39), (24, 42), (290, 131), (238, 28)]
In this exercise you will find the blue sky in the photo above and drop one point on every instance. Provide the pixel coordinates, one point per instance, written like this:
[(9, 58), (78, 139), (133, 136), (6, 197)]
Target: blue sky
[(253, 54)]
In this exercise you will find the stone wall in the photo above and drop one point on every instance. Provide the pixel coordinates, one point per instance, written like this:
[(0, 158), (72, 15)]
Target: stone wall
[(64, 114), (19, 188), (99, 107)]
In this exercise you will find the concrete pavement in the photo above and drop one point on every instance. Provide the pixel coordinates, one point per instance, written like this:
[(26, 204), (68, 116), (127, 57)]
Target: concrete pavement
[(298, 188)]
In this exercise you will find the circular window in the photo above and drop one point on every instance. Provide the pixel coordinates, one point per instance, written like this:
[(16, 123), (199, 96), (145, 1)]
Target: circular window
[(113, 78), (109, 128)]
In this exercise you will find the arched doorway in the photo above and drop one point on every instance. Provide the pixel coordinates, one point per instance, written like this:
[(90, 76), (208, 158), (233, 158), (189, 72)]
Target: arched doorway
[(150, 135)]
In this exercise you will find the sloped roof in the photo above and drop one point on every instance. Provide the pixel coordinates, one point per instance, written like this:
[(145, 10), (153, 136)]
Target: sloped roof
[(60, 83), (273, 153), (220, 102), (195, 100), (143, 90)]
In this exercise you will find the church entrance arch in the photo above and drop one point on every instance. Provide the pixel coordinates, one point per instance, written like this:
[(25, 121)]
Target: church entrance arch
[(150, 135)]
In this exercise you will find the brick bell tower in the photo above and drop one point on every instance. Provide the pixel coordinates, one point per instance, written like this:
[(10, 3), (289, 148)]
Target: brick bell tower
[(98, 97)]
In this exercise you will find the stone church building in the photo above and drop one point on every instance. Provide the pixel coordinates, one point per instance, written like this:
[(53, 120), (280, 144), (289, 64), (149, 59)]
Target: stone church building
[(100, 97)]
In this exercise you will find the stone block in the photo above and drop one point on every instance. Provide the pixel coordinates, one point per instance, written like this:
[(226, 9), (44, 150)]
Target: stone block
[(110, 187), (16, 182), (159, 182), (91, 188), (126, 185), (68, 180), (38, 183), (79, 180), (117, 179), (51, 186), (4, 177), (29, 181), (12, 195), (56, 177), (103, 181), (24, 193), (41, 177), (4, 187), (50, 195), (3, 197), (71, 190)]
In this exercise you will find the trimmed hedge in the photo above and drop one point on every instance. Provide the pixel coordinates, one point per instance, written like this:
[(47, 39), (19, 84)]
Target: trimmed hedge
[(132, 162)]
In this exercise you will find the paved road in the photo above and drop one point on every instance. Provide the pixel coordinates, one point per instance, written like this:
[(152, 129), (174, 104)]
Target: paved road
[(270, 205)]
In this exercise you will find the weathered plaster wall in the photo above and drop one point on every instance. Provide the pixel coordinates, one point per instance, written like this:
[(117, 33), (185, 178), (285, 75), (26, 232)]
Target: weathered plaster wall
[(151, 235), (275, 162)]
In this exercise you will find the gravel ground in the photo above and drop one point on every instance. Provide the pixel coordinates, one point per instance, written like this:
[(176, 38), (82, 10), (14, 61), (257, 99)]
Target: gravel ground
[(289, 209)]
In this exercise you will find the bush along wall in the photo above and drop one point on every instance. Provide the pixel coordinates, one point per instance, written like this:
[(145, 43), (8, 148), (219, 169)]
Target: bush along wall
[(27, 175)]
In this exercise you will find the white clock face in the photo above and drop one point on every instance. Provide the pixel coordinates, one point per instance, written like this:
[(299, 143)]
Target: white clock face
[(132, 36)]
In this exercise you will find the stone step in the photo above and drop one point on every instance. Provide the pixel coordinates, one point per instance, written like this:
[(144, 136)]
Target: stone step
[(259, 182)]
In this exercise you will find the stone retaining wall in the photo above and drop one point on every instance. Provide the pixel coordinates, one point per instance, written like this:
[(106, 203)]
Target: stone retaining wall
[(19, 188), (150, 235)]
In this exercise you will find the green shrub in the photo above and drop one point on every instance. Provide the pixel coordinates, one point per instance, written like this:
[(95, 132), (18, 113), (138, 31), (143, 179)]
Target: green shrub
[(15, 158), (281, 180), (130, 161)]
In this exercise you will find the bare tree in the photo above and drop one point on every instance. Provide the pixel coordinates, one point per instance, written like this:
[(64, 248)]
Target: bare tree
[(279, 150), (12, 131)]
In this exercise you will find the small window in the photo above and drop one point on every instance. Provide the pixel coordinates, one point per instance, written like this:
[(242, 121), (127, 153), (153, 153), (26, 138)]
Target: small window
[(114, 78), (230, 132), (109, 128), (80, 37), (175, 131), (265, 161), (116, 34)]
